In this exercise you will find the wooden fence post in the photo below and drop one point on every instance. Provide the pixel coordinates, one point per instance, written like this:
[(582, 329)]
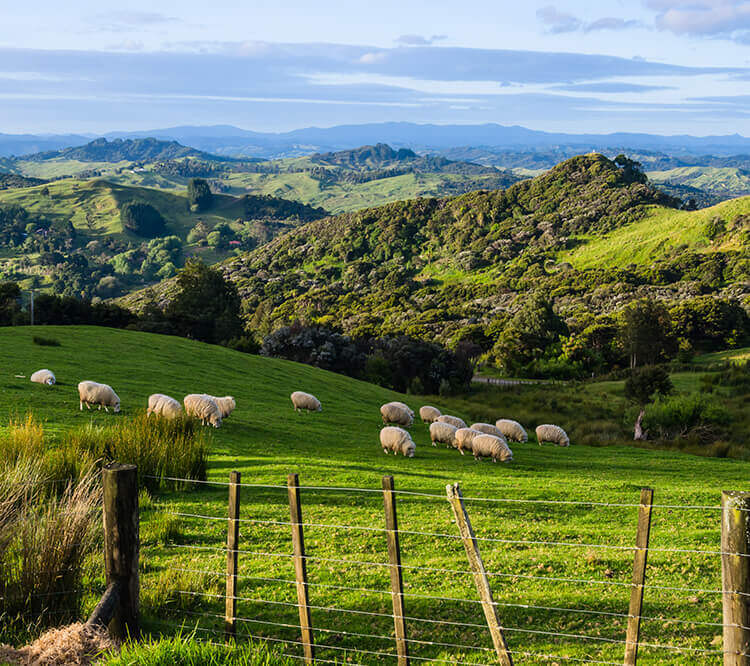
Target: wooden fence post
[(300, 568), (121, 548), (480, 575), (639, 577), (735, 576), (233, 540), (397, 583)]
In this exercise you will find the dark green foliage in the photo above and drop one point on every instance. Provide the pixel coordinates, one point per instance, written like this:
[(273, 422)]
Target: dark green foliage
[(10, 304), (50, 309), (122, 150), (646, 333), (694, 416), (206, 306), (9, 180), (709, 323), (263, 206), (644, 383), (45, 342), (199, 193), (142, 219)]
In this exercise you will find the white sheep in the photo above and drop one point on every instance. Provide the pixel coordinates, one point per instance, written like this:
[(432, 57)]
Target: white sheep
[(94, 393), (489, 446), (443, 432), (465, 437), (429, 414), (394, 412), (163, 405), (552, 433), (226, 405), (306, 401), (512, 430), (453, 420), (403, 405), (397, 440), (487, 429), (43, 377), (203, 407)]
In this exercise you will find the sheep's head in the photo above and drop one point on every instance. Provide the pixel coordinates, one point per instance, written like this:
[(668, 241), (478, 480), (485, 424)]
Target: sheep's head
[(409, 449), (506, 455), (116, 407), (215, 420)]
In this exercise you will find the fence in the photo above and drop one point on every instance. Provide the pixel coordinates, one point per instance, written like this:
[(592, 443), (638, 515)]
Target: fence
[(338, 591), (360, 575)]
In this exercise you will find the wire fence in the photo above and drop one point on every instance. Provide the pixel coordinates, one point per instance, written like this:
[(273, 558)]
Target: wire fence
[(560, 574)]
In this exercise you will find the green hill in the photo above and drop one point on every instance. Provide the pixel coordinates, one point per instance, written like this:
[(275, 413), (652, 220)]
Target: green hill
[(265, 440), (122, 150), (717, 181)]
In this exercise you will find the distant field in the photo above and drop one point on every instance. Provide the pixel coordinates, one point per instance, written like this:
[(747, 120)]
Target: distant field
[(266, 440), (731, 356), (661, 230), (728, 181)]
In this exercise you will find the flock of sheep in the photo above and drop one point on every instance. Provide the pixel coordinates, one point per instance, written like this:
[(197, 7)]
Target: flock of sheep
[(210, 409), (483, 440)]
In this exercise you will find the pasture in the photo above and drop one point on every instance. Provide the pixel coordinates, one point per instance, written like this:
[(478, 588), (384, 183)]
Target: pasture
[(561, 572)]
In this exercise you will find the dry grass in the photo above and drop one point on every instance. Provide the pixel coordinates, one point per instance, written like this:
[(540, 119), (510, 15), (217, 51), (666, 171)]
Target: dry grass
[(75, 644)]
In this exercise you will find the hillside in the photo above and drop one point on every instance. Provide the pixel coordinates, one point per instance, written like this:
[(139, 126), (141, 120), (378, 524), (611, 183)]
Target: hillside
[(338, 448), (433, 267), (723, 181), (121, 150)]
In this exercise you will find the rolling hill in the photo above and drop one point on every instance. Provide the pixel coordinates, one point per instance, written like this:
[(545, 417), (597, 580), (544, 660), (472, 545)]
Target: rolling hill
[(338, 448), (432, 267)]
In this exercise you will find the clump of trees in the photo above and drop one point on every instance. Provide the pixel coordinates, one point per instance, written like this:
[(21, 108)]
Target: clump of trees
[(143, 219), (199, 194)]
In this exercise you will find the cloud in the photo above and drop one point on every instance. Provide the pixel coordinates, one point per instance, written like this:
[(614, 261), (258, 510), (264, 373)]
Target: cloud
[(708, 18), (559, 22), (612, 87), (419, 40), (129, 20)]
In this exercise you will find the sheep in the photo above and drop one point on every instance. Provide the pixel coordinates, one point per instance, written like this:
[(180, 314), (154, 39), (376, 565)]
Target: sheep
[(465, 438), (203, 407), (487, 429), (163, 405), (453, 420), (93, 393), (226, 405), (43, 377), (307, 401), (403, 405), (429, 414), (397, 440), (489, 446), (394, 412), (552, 433), (443, 432), (512, 430)]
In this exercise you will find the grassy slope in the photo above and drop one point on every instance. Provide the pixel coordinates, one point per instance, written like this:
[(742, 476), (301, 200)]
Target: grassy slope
[(265, 440), (100, 200), (651, 237), (720, 180)]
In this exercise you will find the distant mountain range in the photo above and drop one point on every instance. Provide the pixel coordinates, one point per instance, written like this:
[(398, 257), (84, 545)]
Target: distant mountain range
[(233, 141)]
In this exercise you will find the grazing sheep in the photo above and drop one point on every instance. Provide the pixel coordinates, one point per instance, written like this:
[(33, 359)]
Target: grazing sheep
[(465, 438), (203, 407), (453, 420), (226, 405), (163, 405), (397, 440), (429, 414), (93, 393), (443, 432), (487, 429), (306, 401), (403, 405), (552, 433), (394, 412), (512, 430), (43, 377), (489, 446)]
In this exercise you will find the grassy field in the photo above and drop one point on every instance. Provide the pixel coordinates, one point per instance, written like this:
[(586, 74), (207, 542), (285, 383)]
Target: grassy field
[(265, 440), (651, 237), (728, 356), (720, 180)]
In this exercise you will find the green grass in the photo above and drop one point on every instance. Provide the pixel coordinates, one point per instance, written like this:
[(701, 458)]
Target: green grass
[(728, 356), (265, 440), (662, 230), (718, 180)]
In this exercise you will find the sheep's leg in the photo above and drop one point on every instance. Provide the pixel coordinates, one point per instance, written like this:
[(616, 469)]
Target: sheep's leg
[(88, 405), (80, 405), (105, 409), (461, 450), (385, 451)]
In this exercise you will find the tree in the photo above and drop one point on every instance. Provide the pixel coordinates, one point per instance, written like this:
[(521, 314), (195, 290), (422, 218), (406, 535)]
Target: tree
[(641, 387), (10, 303), (199, 193), (207, 306), (646, 333), (142, 219)]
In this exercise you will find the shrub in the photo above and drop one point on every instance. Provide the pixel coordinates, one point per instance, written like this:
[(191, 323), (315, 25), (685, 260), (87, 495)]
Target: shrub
[(45, 342), (679, 416), (142, 219)]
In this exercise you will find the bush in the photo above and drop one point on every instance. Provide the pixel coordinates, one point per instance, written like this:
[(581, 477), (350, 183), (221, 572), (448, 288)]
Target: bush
[(45, 342), (142, 219), (679, 416)]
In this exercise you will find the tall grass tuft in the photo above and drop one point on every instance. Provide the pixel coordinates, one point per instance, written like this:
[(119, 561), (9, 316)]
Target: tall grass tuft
[(160, 447), (24, 439)]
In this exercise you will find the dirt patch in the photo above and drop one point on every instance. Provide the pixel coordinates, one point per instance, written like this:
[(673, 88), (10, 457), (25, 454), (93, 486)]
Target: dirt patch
[(75, 644)]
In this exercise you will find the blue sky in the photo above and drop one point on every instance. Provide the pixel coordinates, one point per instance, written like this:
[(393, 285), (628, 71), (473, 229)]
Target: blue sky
[(661, 66)]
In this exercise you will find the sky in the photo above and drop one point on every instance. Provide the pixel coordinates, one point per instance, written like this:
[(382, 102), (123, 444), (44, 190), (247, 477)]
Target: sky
[(657, 66)]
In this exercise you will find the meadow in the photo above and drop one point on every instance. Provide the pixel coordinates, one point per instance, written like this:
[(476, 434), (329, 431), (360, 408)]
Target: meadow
[(560, 571)]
